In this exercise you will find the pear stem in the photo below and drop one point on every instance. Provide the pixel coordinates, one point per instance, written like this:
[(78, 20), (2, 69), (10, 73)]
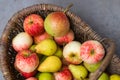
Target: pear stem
[(68, 7)]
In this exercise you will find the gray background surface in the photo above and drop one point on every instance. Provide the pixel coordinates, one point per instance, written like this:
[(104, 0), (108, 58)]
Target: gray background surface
[(102, 15)]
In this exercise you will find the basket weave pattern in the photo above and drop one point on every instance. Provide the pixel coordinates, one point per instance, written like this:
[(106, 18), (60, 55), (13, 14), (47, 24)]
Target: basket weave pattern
[(14, 26)]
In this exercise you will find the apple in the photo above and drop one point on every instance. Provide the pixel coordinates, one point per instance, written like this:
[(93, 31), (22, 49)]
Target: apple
[(26, 62), (33, 24), (92, 51), (27, 75), (71, 52), (41, 37), (64, 74), (62, 40), (22, 41), (57, 24), (79, 72), (31, 78)]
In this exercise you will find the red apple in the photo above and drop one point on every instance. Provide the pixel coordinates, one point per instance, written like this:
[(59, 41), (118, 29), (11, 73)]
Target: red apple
[(33, 24), (22, 41), (57, 24), (65, 74), (26, 63), (92, 51), (71, 52), (41, 37), (65, 39), (27, 75), (31, 78)]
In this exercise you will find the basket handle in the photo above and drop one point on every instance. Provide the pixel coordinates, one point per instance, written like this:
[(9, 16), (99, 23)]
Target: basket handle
[(109, 54)]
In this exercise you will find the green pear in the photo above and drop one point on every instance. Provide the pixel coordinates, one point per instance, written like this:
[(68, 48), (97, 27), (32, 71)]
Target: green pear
[(79, 72), (59, 52), (92, 67), (50, 64), (46, 47), (44, 76), (104, 76), (32, 48)]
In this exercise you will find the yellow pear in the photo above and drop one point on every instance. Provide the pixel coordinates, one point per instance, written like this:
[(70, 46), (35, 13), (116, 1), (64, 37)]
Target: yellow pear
[(50, 64), (46, 47), (115, 77)]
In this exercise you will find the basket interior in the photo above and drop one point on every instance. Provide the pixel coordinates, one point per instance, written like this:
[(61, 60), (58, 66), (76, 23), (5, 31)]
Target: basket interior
[(15, 25)]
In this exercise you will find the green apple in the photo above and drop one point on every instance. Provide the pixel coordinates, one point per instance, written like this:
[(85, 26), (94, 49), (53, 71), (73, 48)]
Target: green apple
[(78, 71), (114, 77), (92, 67), (50, 64), (104, 76), (45, 76), (46, 47), (59, 52)]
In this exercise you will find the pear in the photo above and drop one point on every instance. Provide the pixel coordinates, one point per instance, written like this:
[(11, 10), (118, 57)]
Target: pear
[(59, 52), (114, 77), (79, 72), (32, 48), (50, 64), (46, 47), (57, 24), (104, 76), (44, 76), (92, 67)]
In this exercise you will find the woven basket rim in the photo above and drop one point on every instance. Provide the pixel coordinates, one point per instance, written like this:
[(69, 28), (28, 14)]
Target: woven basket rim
[(27, 10)]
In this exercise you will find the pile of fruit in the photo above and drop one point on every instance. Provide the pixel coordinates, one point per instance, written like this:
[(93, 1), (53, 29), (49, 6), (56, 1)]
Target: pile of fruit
[(46, 50)]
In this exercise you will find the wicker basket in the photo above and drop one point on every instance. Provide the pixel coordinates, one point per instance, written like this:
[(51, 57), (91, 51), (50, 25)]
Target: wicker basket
[(14, 26)]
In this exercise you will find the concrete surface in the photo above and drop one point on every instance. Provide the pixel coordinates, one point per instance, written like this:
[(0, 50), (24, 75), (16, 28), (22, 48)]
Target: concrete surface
[(102, 15)]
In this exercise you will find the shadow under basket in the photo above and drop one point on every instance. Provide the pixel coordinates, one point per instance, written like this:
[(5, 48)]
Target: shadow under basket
[(82, 31)]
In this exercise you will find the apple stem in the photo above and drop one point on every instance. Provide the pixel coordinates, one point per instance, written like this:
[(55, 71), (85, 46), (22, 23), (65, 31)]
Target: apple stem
[(68, 7), (92, 51), (31, 22)]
